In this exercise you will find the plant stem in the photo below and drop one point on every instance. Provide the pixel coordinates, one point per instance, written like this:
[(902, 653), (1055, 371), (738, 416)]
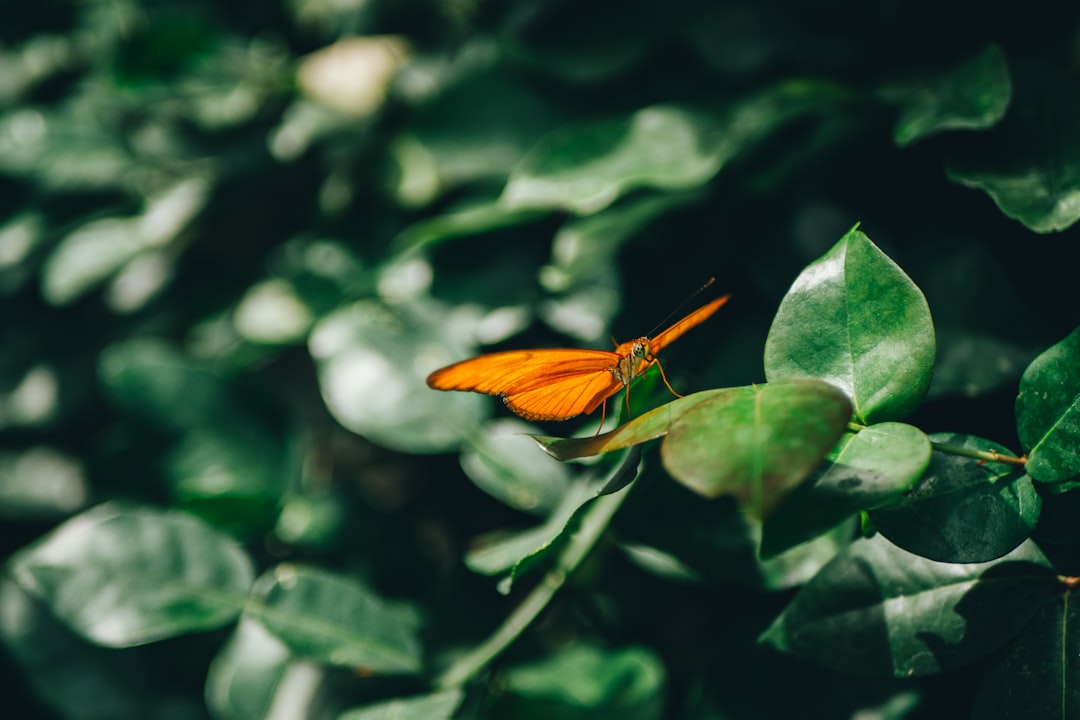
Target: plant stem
[(593, 524), (984, 455)]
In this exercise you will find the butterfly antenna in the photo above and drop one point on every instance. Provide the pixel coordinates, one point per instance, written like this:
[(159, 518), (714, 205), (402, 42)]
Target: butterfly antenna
[(676, 311)]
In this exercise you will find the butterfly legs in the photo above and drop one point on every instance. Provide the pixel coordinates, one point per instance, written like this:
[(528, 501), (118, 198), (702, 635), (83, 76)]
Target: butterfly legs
[(664, 377)]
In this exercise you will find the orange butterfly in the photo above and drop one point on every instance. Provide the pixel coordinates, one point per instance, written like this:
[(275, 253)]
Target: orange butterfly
[(558, 384)]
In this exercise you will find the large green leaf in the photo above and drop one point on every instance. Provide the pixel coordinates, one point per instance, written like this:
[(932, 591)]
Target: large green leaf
[(1030, 163), (335, 619), (877, 610), (1037, 676), (372, 381), (1048, 412), (756, 443), (974, 95), (123, 577), (963, 510), (854, 319), (867, 469)]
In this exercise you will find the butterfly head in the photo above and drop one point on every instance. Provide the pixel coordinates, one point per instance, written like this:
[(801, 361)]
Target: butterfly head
[(634, 357)]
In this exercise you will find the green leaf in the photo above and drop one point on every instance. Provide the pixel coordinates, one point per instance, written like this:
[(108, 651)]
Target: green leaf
[(1030, 163), (904, 616), (585, 167), (963, 510), (123, 577), (253, 672), (501, 461), (517, 552), (335, 619), (1048, 412), (366, 355), (98, 249), (585, 681), (756, 443), (868, 469), (1036, 676), (855, 320), (437, 706), (972, 96)]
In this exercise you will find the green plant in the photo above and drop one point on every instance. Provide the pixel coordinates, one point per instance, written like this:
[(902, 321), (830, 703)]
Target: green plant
[(235, 238)]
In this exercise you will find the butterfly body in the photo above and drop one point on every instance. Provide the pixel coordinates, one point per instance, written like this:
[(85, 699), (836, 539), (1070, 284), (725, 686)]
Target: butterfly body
[(561, 383)]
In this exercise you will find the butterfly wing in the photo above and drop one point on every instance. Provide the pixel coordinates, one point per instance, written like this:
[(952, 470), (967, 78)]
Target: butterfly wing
[(564, 397), (673, 333), (549, 384)]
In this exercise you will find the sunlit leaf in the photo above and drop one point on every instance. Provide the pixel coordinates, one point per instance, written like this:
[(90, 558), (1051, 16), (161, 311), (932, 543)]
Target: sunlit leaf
[(756, 443), (334, 618), (963, 510), (902, 616), (1048, 412), (372, 362), (124, 577), (854, 319)]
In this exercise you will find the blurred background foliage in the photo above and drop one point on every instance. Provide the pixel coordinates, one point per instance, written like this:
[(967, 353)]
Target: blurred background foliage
[(235, 238)]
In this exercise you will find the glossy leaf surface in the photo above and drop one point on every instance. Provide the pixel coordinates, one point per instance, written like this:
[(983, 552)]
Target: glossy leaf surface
[(963, 510), (123, 577), (1048, 412), (854, 319), (755, 443)]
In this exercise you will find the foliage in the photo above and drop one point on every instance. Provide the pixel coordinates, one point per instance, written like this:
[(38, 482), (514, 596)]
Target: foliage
[(236, 237)]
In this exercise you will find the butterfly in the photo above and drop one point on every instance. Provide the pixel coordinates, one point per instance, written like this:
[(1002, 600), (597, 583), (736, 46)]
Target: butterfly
[(558, 383)]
